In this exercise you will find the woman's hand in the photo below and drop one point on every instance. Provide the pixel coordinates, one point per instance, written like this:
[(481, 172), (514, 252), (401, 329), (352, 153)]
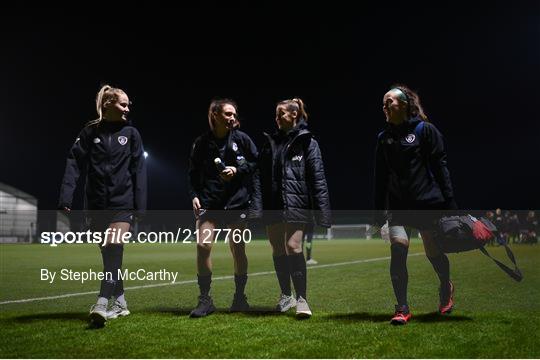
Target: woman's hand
[(196, 206), (228, 173)]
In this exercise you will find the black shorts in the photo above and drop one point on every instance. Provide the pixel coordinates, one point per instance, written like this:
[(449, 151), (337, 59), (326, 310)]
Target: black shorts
[(417, 219), (99, 220), (224, 218), (271, 217)]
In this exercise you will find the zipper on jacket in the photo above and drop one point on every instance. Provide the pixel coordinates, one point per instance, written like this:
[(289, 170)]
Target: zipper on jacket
[(228, 146), (109, 166), (283, 156)]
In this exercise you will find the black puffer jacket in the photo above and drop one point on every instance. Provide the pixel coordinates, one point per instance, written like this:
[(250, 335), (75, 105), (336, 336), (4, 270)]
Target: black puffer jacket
[(112, 156), (304, 192), (204, 180), (411, 170)]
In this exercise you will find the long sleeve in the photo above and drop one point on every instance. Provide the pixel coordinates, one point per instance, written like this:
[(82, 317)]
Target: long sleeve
[(437, 161), (317, 183), (75, 164), (248, 165), (194, 171), (256, 206), (380, 179), (139, 174)]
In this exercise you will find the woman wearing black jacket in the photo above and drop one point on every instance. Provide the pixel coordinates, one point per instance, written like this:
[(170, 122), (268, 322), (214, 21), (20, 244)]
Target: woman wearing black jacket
[(110, 151), (222, 164), (411, 174), (293, 191)]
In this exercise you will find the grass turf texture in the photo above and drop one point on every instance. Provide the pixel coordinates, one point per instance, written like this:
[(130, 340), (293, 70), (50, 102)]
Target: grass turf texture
[(495, 317)]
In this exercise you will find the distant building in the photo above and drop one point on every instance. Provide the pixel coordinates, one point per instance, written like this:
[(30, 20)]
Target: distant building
[(18, 215)]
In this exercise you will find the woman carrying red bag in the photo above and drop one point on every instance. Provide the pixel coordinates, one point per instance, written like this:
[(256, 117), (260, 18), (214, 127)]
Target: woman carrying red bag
[(411, 174)]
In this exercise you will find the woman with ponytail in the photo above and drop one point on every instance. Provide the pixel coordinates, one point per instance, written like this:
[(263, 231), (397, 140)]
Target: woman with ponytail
[(221, 168), (293, 189), (110, 151), (411, 175)]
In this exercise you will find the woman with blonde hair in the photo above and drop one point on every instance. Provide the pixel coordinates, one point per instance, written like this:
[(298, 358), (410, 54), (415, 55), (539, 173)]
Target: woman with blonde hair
[(293, 191), (110, 151)]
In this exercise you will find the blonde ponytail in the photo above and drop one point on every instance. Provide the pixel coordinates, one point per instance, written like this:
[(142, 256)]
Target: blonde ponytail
[(105, 95), (297, 105)]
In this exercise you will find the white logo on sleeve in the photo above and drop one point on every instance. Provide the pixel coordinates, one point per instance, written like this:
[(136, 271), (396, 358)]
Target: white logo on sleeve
[(122, 140), (97, 140), (410, 138), (77, 140), (234, 147), (297, 158)]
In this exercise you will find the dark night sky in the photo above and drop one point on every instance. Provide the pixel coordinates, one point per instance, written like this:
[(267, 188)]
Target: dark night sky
[(478, 77)]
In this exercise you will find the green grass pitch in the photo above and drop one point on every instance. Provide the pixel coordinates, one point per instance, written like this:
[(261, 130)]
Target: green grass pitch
[(349, 291)]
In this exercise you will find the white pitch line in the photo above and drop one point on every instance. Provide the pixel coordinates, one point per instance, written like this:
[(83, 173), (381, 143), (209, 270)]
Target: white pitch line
[(195, 281)]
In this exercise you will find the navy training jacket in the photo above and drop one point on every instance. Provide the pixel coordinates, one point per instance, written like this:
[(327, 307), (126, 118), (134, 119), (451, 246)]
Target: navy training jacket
[(203, 176), (111, 154), (411, 169)]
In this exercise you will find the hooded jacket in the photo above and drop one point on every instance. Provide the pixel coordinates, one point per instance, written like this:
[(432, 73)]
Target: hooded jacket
[(111, 154), (303, 190)]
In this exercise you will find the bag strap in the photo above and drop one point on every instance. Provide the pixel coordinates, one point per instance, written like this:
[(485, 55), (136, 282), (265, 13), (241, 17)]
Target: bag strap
[(419, 132), (513, 273)]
